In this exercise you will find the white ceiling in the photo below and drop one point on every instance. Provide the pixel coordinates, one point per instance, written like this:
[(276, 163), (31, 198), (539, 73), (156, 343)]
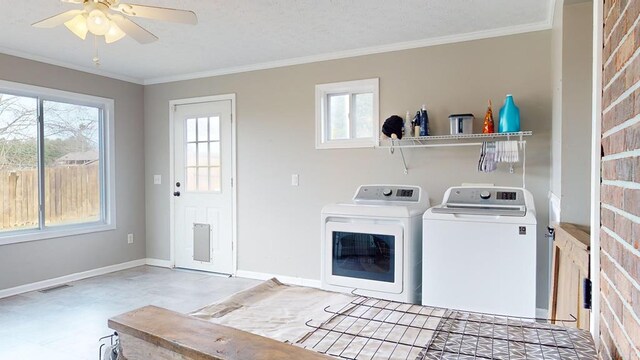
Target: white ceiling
[(240, 35)]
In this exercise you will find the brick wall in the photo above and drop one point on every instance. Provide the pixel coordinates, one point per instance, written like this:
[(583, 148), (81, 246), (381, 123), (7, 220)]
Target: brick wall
[(620, 199)]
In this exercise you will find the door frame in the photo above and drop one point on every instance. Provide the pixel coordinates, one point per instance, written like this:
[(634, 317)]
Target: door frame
[(596, 163), (234, 175)]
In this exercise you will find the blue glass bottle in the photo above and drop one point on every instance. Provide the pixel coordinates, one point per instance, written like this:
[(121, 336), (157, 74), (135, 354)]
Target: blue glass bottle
[(509, 116)]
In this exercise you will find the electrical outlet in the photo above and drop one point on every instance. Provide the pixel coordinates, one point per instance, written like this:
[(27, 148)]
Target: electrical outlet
[(157, 179), (130, 238)]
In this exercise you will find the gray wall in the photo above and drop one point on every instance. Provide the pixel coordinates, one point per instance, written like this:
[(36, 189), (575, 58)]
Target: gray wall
[(556, 78), (33, 261), (279, 227), (571, 117), (576, 113)]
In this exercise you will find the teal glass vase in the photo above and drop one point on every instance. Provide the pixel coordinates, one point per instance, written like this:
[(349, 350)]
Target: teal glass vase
[(509, 120)]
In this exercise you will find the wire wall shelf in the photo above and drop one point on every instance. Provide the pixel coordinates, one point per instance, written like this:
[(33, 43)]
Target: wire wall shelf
[(369, 328), (450, 140)]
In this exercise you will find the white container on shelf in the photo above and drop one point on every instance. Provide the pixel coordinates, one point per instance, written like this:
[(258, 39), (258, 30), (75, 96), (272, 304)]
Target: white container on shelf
[(461, 124)]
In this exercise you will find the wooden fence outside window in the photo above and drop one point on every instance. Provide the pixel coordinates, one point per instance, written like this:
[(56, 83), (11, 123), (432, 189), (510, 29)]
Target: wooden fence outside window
[(71, 195)]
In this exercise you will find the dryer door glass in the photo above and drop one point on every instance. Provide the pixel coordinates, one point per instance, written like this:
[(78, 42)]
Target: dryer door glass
[(363, 255)]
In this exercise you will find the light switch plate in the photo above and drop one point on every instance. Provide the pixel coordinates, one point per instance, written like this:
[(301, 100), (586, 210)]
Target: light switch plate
[(157, 179), (294, 180)]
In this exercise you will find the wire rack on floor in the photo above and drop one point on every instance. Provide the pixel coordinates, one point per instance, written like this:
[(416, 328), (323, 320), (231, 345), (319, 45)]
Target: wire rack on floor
[(111, 349), (369, 328)]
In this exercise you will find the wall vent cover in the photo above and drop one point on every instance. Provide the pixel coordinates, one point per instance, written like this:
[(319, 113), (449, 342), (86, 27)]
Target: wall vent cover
[(54, 288)]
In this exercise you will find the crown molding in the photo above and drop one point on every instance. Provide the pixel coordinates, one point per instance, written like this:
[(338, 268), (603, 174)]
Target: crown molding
[(450, 39), (64, 64)]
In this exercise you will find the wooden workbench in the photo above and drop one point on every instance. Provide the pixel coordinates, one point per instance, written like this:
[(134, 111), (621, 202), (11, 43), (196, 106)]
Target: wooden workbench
[(155, 333)]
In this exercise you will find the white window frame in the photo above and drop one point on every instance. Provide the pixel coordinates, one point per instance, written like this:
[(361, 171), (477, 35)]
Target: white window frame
[(323, 91), (107, 158)]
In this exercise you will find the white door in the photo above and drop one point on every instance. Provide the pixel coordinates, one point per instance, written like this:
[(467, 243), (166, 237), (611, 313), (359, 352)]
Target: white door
[(203, 200)]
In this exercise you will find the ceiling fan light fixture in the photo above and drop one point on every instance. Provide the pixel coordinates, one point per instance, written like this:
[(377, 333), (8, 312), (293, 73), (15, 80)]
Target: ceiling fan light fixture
[(107, 18), (78, 26), (98, 23), (114, 34)]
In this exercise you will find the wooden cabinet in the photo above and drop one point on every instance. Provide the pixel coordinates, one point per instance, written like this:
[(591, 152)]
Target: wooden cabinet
[(569, 268)]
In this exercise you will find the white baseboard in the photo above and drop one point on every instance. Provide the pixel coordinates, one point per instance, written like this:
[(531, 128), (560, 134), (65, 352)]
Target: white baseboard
[(283, 278), (159, 263), (542, 313), (69, 278)]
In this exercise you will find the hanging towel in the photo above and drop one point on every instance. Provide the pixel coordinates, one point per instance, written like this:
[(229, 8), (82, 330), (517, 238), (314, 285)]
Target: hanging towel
[(487, 162), (494, 152), (507, 151)]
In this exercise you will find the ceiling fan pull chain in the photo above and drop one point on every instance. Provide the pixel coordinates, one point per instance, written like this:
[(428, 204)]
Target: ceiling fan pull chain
[(96, 59)]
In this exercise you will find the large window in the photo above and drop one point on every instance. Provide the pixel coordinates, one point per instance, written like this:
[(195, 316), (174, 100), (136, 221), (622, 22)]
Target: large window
[(347, 114), (54, 163)]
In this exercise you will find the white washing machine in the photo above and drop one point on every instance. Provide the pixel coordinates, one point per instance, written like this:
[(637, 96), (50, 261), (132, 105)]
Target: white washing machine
[(479, 251), (373, 244)]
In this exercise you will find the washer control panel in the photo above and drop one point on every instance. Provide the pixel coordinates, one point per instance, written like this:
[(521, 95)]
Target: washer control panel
[(486, 196), (387, 193), (483, 201)]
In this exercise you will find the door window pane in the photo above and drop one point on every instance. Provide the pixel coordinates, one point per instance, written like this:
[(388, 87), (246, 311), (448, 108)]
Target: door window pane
[(72, 163), (338, 124), (364, 115), (18, 163), (203, 179), (214, 154), (203, 154), (363, 256), (203, 129), (202, 157)]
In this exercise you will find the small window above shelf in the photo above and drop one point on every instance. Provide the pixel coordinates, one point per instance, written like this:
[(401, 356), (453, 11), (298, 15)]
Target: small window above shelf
[(450, 140)]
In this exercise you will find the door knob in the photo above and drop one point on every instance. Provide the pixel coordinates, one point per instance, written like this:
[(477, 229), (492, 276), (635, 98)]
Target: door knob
[(176, 193)]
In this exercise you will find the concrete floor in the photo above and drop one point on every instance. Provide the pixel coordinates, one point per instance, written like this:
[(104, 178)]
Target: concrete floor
[(67, 323)]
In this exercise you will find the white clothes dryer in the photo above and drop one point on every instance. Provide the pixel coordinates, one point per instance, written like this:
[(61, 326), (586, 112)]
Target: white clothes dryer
[(479, 251), (373, 244)]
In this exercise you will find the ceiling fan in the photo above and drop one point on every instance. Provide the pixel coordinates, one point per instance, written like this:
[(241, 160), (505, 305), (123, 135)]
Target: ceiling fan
[(109, 18)]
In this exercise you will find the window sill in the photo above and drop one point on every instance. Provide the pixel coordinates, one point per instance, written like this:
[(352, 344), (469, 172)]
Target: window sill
[(52, 233)]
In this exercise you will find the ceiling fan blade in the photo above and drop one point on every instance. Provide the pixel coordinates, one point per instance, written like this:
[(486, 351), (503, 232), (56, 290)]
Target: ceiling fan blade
[(158, 13), (56, 20), (137, 32)]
